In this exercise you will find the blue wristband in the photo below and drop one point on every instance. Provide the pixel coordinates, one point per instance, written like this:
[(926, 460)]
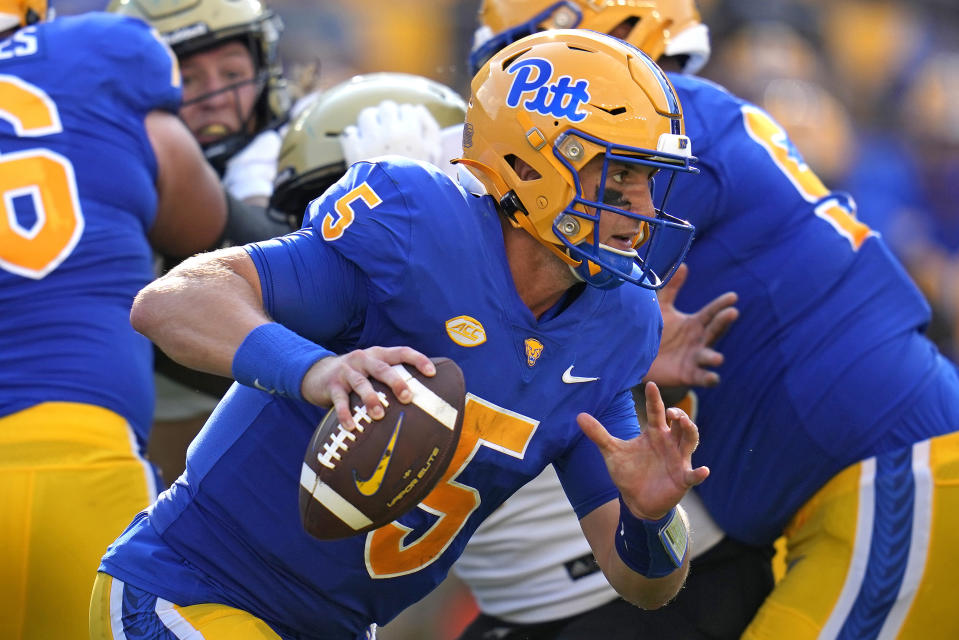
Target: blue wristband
[(274, 359), (653, 548)]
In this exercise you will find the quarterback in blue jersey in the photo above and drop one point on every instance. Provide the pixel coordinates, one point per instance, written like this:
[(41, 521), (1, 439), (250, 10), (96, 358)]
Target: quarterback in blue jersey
[(390, 262), (95, 170), (836, 421)]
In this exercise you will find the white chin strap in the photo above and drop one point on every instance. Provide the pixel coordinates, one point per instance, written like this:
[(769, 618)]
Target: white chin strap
[(692, 42), (631, 253)]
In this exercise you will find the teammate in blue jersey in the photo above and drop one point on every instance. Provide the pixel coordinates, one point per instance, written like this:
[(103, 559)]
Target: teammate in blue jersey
[(390, 262), (835, 423), (95, 169)]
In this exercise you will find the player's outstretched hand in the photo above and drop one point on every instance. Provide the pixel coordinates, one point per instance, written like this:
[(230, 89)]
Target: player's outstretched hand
[(331, 380), (686, 356), (654, 470), (388, 128)]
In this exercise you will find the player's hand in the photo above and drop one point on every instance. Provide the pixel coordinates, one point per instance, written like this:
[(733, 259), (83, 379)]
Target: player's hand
[(331, 380), (654, 470), (685, 351), (389, 128), (250, 173)]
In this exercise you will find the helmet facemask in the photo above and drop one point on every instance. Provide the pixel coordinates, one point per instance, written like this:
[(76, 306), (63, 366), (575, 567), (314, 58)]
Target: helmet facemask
[(223, 148), (191, 27), (261, 114), (663, 240)]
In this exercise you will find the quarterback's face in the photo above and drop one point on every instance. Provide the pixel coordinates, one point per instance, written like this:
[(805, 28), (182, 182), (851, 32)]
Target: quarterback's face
[(218, 91), (627, 188)]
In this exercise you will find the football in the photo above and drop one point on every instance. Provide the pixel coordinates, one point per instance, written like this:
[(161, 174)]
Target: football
[(355, 481)]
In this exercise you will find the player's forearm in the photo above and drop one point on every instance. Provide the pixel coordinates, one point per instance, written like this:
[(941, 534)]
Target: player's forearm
[(643, 571), (200, 312), (646, 593)]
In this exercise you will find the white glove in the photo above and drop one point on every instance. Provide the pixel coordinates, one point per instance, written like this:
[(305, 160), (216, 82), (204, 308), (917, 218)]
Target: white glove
[(403, 129), (251, 171)]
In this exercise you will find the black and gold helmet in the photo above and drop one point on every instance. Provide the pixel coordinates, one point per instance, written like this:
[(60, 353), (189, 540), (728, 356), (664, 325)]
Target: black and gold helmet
[(312, 158), (192, 26)]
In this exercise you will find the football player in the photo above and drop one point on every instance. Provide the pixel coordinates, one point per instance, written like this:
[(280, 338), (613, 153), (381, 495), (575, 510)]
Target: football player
[(835, 421), (235, 99), (96, 167), (554, 270), (375, 114)]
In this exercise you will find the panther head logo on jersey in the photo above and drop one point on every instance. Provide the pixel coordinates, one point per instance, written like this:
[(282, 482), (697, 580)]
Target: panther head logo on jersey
[(534, 349)]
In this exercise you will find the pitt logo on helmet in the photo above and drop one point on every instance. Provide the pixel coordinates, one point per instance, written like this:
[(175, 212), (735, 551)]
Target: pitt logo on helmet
[(560, 99)]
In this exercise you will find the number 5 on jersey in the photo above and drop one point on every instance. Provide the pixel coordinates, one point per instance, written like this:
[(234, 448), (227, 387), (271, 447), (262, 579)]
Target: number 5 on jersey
[(336, 222), (484, 424)]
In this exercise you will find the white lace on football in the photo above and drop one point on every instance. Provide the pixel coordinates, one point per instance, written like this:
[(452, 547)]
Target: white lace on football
[(338, 438)]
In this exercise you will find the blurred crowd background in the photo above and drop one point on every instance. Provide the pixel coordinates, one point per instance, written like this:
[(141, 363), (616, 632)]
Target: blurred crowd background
[(867, 89)]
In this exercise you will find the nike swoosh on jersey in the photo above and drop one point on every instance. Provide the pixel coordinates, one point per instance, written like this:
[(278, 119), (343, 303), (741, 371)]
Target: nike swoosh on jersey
[(372, 484), (569, 378)]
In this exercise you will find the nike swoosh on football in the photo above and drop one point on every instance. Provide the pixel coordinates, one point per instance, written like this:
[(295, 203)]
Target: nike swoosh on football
[(569, 378), (372, 484)]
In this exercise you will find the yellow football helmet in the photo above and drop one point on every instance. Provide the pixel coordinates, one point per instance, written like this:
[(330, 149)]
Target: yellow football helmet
[(658, 27), (190, 26), (21, 13), (311, 156), (557, 99)]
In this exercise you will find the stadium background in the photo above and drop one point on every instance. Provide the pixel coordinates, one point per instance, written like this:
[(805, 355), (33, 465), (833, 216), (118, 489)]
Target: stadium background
[(868, 89)]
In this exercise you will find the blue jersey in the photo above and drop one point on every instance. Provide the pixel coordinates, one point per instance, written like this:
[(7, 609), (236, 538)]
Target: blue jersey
[(78, 174), (394, 254), (821, 364)]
